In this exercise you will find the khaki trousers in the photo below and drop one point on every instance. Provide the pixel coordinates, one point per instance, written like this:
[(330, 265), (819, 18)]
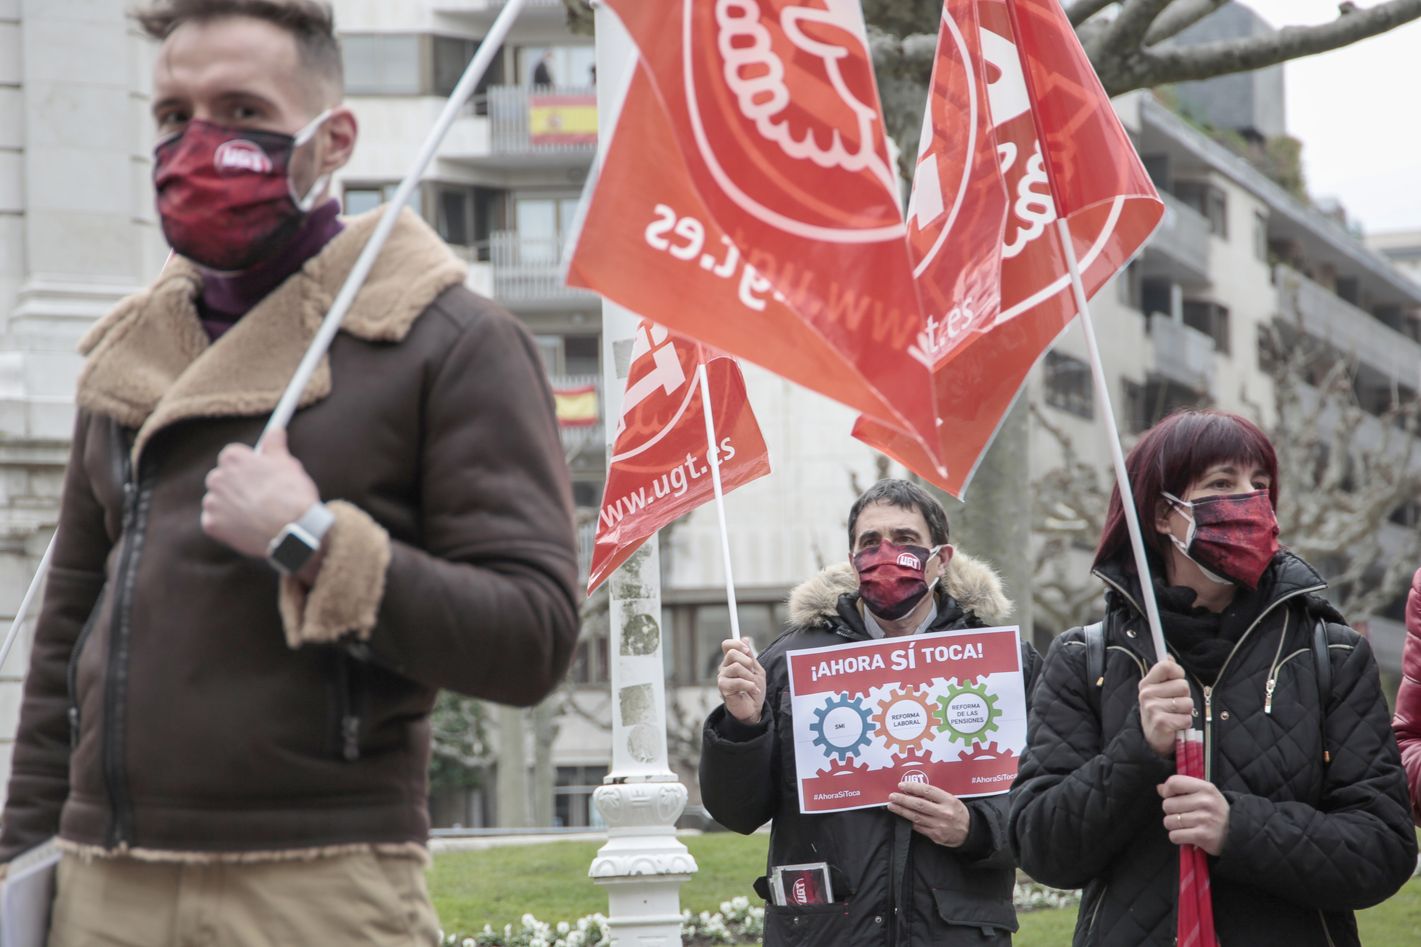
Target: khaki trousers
[(354, 899)]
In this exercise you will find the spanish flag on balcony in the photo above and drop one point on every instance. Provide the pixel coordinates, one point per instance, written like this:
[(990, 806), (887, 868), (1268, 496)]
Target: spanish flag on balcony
[(562, 119), (576, 407)]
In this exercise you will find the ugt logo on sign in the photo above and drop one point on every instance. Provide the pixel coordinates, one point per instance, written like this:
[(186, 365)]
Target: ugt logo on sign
[(791, 85)]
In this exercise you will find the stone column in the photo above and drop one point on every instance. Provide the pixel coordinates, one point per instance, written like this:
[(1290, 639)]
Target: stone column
[(642, 865)]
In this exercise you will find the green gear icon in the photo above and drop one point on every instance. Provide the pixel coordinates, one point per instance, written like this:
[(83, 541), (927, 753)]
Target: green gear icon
[(967, 713)]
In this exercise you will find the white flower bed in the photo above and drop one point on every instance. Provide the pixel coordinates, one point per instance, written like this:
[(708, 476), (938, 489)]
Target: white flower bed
[(737, 922)]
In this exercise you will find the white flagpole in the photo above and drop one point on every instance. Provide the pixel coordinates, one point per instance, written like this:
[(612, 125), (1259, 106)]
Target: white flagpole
[(1122, 478), (713, 455), (25, 602), (473, 74)]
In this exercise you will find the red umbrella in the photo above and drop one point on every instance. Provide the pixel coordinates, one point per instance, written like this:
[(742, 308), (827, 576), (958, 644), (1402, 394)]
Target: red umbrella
[(1196, 905)]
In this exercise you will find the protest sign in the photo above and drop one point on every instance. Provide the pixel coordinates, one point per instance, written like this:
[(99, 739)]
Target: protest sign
[(945, 708)]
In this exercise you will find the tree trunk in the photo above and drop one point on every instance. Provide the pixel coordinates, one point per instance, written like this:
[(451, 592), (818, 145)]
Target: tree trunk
[(512, 783), (992, 525)]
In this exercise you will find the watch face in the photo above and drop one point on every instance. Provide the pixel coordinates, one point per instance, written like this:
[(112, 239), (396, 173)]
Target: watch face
[(292, 552)]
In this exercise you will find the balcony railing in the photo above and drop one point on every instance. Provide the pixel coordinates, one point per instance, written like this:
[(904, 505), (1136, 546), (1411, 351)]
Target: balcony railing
[(1324, 315), (1183, 236), (1182, 354), (491, 8), (529, 272), (510, 111)]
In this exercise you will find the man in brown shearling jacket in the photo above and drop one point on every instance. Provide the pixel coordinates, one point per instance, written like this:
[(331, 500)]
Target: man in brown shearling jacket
[(226, 718)]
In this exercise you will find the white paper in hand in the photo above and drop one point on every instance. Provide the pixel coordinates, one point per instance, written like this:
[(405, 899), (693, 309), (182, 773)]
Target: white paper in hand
[(26, 896)]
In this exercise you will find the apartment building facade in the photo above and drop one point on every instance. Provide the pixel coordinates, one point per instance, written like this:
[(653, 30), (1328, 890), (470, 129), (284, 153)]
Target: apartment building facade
[(77, 232)]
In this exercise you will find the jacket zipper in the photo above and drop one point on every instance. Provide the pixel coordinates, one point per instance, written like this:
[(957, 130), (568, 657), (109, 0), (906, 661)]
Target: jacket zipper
[(1272, 685), (136, 499), (349, 729), (1209, 691), (73, 671), (1090, 927)]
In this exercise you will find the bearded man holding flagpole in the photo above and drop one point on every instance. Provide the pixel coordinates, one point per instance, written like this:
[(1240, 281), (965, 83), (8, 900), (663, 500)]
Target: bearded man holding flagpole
[(225, 720)]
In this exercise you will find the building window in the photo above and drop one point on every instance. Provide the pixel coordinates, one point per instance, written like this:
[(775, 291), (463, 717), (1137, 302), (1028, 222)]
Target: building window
[(1211, 203), (591, 661), (1128, 286), (382, 64), (451, 57), (572, 796), (1260, 237), (698, 629), (565, 66), (543, 223), (455, 215), (362, 198), (1068, 385), (1148, 404), (1211, 319)]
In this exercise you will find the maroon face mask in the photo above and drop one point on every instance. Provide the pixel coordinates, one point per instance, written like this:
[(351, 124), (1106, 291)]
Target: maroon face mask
[(225, 195), (891, 578), (1232, 538)]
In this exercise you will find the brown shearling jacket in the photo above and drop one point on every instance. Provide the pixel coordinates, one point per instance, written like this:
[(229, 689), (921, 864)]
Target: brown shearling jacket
[(185, 703)]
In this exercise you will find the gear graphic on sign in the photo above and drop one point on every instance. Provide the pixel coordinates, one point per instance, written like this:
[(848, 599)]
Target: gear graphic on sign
[(842, 727), (986, 751), (967, 713), (915, 720)]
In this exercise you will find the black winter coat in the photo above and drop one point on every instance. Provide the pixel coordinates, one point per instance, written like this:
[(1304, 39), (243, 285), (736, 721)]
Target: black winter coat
[(1309, 841), (894, 886)]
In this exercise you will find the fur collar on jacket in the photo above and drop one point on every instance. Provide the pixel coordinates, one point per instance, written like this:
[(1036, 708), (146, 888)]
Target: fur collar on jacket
[(971, 582), (150, 363)]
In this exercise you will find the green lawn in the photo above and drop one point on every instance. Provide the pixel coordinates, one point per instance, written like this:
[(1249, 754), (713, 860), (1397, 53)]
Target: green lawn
[(549, 880)]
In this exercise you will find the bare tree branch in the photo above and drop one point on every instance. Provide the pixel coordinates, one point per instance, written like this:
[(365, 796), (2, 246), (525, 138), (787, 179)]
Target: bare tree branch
[(1178, 17), (1124, 69), (1128, 30), (1083, 10)]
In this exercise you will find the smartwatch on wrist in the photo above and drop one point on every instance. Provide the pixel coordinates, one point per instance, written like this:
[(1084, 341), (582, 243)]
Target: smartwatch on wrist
[(298, 542)]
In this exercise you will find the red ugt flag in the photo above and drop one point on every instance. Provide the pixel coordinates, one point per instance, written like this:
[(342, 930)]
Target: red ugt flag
[(660, 468), (748, 200), (1018, 133)]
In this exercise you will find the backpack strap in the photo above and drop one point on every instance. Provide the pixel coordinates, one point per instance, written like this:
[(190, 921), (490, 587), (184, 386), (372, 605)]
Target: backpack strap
[(1095, 655), (1322, 663)]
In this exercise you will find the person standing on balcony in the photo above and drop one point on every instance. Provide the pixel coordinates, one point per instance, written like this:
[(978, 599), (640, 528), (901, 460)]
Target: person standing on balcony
[(542, 72), (226, 716), (1302, 809), (928, 869)]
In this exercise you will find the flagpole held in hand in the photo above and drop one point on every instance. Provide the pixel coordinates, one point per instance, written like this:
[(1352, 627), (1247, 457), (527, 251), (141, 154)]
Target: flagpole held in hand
[(713, 456), (1122, 477), (473, 74)]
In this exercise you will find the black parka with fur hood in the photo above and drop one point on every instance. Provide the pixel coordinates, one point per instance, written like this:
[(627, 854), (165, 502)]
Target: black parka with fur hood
[(893, 885)]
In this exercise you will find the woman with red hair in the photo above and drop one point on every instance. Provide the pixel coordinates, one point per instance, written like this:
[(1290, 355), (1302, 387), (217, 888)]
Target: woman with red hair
[(1303, 808)]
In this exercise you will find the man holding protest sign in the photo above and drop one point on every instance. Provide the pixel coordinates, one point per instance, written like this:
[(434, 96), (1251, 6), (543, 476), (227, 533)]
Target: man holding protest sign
[(226, 717), (927, 867)]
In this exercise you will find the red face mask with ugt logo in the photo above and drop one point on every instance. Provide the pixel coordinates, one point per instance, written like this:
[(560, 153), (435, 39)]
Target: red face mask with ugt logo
[(891, 580), (225, 196)]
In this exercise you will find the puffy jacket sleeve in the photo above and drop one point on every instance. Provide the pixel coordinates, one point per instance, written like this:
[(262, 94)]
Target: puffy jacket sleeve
[(739, 772), (988, 844), (486, 603), (39, 772), (1357, 847), (1079, 797), (1407, 722)]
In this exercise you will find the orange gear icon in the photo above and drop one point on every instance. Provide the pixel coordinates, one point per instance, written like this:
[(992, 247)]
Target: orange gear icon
[(905, 720)]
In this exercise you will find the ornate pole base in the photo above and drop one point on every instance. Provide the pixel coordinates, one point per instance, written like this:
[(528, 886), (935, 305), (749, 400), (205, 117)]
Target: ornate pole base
[(643, 864)]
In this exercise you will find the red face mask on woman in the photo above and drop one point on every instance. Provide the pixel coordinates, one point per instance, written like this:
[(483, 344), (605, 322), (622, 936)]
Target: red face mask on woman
[(225, 195), (891, 580), (1232, 537)]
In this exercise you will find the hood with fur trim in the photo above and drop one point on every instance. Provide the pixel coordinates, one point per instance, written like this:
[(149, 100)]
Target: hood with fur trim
[(974, 584), (150, 363)]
